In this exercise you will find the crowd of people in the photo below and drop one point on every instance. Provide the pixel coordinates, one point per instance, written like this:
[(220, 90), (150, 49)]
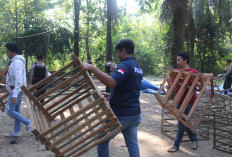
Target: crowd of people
[(123, 82)]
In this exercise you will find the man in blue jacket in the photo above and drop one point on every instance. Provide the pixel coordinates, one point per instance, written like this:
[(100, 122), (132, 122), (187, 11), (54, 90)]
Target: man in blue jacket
[(125, 85)]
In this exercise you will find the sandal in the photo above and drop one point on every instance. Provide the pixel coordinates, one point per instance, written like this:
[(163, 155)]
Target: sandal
[(193, 145), (173, 149)]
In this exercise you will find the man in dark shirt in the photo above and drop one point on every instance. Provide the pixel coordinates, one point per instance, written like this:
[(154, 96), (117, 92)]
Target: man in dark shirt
[(125, 85), (39, 71), (227, 76)]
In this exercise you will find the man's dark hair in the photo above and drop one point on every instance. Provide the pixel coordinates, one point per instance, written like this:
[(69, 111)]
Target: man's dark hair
[(228, 60), (184, 56), (13, 47), (126, 44), (40, 57), (109, 59), (88, 57)]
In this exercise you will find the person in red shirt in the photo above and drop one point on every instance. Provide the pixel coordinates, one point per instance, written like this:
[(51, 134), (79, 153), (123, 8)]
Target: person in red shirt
[(182, 63)]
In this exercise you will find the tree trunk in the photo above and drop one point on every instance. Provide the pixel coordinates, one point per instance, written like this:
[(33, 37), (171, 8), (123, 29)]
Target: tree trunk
[(109, 38), (178, 24), (102, 12), (191, 36), (76, 29), (47, 48), (26, 17), (26, 29), (201, 56), (125, 7), (87, 31)]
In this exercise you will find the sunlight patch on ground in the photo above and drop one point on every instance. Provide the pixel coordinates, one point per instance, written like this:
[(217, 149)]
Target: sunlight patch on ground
[(160, 145), (190, 152), (152, 139), (143, 101)]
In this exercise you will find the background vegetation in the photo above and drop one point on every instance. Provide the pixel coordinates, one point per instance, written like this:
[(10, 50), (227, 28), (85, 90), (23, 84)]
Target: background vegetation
[(159, 28)]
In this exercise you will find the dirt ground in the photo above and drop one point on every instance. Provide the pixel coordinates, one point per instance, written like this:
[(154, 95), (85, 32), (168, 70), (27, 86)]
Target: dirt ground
[(152, 142)]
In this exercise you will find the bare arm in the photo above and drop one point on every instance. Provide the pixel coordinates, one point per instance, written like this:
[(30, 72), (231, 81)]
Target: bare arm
[(228, 70), (104, 78)]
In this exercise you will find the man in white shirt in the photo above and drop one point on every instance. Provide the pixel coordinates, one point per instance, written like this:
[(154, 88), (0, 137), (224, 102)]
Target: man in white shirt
[(16, 77)]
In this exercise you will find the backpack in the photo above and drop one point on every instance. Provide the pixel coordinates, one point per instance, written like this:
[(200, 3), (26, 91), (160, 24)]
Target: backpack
[(39, 73)]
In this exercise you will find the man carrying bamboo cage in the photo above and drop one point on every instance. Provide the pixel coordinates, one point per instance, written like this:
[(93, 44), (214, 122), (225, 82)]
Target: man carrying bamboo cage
[(125, 85), (182, 63), (16, 77)]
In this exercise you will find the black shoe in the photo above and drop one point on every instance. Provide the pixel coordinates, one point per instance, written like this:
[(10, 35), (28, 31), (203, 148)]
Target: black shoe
[(14, 141), (194, 145)]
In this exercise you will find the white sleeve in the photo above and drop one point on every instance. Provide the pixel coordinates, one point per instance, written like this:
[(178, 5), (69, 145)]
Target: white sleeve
[(18, 72)]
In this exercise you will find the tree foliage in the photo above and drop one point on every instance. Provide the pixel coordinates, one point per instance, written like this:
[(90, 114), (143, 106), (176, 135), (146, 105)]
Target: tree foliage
[(159, 29)]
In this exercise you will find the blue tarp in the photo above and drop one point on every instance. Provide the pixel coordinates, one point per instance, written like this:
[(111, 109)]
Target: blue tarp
[(148, 87), (221, 88)]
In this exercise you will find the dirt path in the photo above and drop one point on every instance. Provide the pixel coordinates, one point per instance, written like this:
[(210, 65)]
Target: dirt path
[(152, 143)]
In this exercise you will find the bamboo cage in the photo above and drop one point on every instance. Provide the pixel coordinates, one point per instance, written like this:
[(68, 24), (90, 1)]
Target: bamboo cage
[(3, 98), (169, 127), (205, 92), (223, 131), (169, 124), (3, 92), (222, 139), (70, 124), (219, 103)]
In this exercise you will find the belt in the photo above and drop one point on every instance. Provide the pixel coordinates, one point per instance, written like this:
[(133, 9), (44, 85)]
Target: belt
[(11, 87)]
